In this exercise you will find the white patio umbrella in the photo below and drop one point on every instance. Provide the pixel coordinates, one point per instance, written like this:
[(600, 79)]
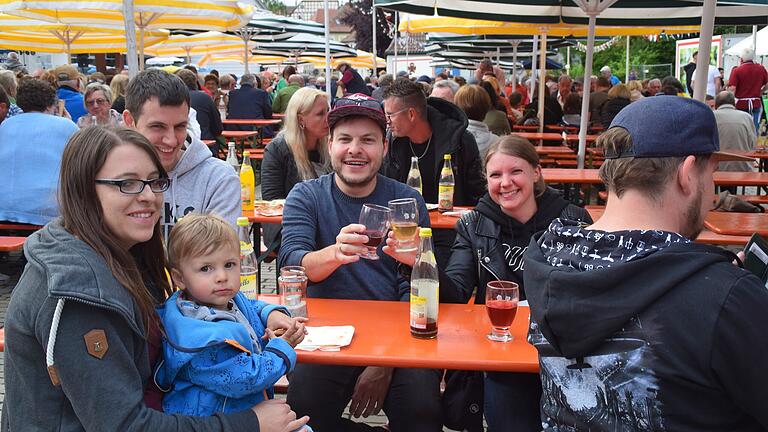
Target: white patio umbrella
[(200, 44), (143, 15), (760, 50)]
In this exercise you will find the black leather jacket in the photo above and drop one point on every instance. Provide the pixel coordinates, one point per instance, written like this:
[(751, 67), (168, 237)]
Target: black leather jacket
[(478, 258)]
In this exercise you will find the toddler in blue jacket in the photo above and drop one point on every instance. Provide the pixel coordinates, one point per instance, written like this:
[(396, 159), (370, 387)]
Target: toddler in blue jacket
[(220, 353)]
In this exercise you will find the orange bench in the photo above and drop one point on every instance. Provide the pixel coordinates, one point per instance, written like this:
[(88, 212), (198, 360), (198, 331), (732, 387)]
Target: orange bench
[(19, 227), (8, 244)]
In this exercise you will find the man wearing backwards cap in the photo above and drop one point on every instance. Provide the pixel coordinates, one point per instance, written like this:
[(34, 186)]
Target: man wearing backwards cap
[(321, 233), (636, 326)]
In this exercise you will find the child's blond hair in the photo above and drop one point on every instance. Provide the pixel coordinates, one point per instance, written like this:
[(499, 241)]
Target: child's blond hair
[(199, 234)]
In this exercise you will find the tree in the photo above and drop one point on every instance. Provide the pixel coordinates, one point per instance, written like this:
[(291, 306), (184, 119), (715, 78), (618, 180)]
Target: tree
[(276, 7), (357, 14)]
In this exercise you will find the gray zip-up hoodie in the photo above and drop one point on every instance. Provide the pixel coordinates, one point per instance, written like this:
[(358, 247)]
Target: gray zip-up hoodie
[(104, 394), (203, 184)]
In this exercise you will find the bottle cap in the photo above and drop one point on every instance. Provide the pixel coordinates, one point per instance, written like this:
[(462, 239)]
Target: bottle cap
[(246, 153), (242, 221), (425, 232), (447, 156)]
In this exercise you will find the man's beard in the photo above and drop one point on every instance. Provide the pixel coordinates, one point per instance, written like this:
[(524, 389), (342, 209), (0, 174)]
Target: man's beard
[(351, 182), (694, 220)]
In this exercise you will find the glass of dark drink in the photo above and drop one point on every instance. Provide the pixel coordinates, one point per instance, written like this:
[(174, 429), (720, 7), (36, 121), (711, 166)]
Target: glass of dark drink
[(376, 221), (501, 299)]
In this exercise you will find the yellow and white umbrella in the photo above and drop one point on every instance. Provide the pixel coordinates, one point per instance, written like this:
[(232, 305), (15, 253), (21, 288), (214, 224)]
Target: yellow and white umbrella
[(201, 44), (26, 34), (468, 26), (221, 15)]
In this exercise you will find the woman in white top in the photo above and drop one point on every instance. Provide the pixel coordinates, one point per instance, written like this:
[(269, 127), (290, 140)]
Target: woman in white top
[(98, 102)]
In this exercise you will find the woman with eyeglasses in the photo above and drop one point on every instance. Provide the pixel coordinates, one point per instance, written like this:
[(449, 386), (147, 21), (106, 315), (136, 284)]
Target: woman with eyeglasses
[(299, 152), (82, 335), (98, 102)]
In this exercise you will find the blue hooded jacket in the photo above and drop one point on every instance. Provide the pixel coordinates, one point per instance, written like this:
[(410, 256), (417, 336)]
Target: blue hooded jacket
[(211, 367)]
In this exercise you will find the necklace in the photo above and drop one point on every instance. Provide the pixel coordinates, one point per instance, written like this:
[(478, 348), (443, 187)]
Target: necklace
[(410, 144)]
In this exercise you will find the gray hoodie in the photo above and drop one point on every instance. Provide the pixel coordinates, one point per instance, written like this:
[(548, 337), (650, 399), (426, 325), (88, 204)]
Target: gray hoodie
[(203, 184), (95, 393)]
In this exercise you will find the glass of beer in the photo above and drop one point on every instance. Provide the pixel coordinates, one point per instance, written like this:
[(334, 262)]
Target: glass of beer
[(404, 221), (376, 219), (501, 299)]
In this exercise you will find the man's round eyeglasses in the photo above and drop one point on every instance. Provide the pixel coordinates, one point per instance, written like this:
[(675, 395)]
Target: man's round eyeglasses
[(136, 186)]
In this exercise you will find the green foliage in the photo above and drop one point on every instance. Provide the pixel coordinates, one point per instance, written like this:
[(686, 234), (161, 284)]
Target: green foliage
[(276, 7), (641, 52)]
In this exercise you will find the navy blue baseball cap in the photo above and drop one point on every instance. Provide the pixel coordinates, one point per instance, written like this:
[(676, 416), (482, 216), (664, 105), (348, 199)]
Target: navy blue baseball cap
[(669, 126)]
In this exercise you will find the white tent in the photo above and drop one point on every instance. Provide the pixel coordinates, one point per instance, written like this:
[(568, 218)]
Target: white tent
[(762, 44)]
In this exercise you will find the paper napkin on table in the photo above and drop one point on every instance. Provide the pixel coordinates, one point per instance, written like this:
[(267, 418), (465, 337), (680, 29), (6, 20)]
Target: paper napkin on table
[(327, 338)]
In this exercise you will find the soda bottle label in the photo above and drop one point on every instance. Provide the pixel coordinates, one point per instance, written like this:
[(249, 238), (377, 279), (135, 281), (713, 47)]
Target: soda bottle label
[(245, 248), (246, 196), (248, 286), (418, 312), (445, 197)]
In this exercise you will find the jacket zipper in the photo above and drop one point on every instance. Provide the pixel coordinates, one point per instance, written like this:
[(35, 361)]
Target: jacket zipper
[(480, 263), (98, 305)]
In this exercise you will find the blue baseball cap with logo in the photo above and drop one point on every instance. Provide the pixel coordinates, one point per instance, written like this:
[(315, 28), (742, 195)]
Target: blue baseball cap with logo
[(669, 126)]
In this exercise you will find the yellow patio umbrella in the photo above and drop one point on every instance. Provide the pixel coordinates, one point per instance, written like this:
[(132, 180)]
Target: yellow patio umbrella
[(221, 15), (364, 59), (484, 27), (26, 34), (211, 42), (236, 57)]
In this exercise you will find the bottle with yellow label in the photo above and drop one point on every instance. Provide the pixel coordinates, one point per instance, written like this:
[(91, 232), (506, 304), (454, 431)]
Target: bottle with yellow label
[(247, 183), (445, 186), (248, 269), (425, 291)]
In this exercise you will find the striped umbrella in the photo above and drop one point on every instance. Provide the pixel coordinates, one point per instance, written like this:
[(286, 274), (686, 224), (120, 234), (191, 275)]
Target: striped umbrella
[(200, 44), (219, 15), (26, 34), (307, 46)]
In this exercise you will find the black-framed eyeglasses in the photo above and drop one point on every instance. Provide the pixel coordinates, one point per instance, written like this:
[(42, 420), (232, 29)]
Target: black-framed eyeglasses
[(390, 115), (136, 186), (365, 103)]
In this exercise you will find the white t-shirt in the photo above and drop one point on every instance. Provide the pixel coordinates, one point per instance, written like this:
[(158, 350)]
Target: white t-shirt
[(712, 75)]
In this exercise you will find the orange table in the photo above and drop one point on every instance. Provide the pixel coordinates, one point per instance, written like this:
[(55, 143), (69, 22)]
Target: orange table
[(706, 236), (737, 224), (252, 122), (590, 176), (554, 150), (552, 136), (8, 244), (460, 343)]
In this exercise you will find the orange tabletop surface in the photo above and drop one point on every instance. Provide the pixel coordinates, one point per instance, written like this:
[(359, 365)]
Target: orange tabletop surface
[(737, 224), (590, 176), (252, 122), (239, 134), (706, 236), (278, 115), (554, 150), (8, 244), (436, 219), (382, 338)]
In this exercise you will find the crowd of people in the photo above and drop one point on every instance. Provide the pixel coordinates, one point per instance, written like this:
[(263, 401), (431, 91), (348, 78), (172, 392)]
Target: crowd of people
[(132, 284)]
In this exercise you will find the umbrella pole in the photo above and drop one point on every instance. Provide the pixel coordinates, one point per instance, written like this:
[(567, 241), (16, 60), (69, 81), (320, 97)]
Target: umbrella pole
[(141, 48), (397, 31), (705, 45), (585, 99), (754, 38), (542, 81), (373, 34), (533, 67), (327, 53), (130, 38), (188, 49), (515, 43), (626, 69)]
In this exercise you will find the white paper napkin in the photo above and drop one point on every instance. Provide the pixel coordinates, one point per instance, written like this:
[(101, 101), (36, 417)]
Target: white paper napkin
[(327, 338)]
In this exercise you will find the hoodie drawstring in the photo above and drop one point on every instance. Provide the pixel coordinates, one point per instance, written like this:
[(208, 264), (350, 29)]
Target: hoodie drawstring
[(52, 343)]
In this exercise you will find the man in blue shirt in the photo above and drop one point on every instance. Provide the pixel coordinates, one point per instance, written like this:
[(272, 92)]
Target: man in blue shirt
[(321, 233), (606, 72), (69, 91)]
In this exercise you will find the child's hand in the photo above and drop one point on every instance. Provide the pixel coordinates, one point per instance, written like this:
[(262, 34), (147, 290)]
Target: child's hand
[(278, 320), (293, 335)]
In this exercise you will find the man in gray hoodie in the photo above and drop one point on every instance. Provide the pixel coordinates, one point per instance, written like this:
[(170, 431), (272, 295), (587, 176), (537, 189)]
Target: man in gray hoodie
[(157, 105)]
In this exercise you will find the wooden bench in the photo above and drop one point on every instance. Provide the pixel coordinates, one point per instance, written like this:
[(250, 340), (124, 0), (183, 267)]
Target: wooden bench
[(19, 227), (754, 199)]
